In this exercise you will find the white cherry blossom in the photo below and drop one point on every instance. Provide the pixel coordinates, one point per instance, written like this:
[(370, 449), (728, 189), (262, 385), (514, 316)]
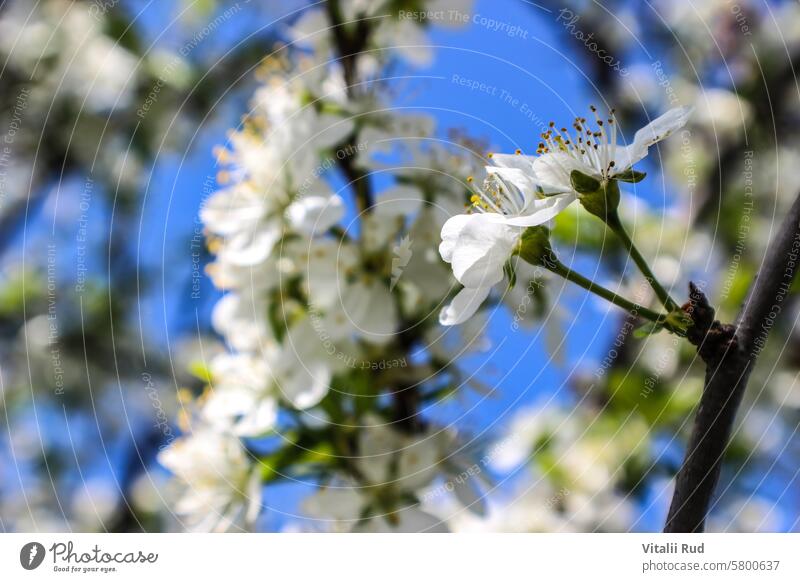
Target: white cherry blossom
[(524, 191), (394, 463), (220, 488), (315, 213), (591, 149), (241, 401)]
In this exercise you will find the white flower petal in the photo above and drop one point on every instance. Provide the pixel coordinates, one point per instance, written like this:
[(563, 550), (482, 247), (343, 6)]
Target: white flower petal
[(399, 200), (482, 249), (311, 29), (450, 233), (523, 180), (542, 210), (306, 385), (552, 171), (222, 407), (464, 305), (414, 520), (253, 496), (520, 162), (372, 310), (330, 131), (658, 129), (341, 503), (378, 229), (627, 156), (468, 494), (259, 419), (662, 127), (232, 210), (419, 463), (325, 270), (408, 39), (377, 445), (251, 247), (315, 214)]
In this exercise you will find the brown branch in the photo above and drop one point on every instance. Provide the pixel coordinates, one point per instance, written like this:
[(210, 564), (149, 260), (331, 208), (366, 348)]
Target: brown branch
[(730, 353), (348, 45)]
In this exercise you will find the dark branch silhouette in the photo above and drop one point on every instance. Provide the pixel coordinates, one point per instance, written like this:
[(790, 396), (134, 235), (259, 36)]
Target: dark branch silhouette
[(730, 352)]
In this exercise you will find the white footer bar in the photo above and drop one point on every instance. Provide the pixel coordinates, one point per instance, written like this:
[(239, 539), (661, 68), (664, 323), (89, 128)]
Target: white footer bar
[(389, 558)]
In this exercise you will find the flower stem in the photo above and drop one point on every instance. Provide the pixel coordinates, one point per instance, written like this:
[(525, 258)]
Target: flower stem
[(615, 224), (635, 309)]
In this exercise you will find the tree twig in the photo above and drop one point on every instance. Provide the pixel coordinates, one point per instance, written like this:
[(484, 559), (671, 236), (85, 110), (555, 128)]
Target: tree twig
[(730, 353), (348, 45)]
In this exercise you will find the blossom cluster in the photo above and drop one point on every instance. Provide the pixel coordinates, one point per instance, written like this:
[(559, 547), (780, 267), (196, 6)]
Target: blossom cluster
[(324, 234)]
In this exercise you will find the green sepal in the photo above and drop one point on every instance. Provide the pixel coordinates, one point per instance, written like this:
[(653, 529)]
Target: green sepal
[(630, 176), (511, 273), (582, 183)]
